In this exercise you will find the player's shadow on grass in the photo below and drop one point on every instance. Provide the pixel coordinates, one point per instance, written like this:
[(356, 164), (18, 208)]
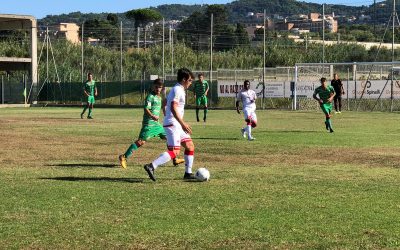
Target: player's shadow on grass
[(74, 178), (84, 165), (287, 131), (216, 138)]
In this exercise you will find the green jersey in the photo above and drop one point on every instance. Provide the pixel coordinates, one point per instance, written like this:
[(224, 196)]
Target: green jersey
[(153, 104), (90, 87), (200, 88), (324, 94)]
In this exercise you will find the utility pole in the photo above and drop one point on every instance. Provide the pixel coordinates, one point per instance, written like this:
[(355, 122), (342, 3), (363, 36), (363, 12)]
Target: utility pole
[(306, 42), (82, 42), (163, 49), (211, 53), (264, 58), (323, 33), (47, 53), (120, 96), (394, 15), (374, 16), (138, 37)]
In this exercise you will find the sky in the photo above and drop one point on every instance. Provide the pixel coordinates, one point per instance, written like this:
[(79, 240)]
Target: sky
[(41, 8)]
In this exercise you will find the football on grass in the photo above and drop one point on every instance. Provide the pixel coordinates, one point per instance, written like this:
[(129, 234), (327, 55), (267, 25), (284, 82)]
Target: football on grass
[(202, 174)]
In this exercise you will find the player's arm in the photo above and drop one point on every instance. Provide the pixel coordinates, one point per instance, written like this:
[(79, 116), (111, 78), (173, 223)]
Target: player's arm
[(95, 91), (316, 98), (207, 89), (148, 112), (237, 107), (194, 91), (185, 126), (332, 94), (147, 107), (85, 92)]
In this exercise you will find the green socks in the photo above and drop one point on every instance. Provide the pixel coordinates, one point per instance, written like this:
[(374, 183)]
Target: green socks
[(197, 113), (131, 148)]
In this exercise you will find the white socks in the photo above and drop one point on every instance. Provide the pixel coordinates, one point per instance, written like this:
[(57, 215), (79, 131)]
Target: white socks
[(248, 130), (189, 158), (162, 159)]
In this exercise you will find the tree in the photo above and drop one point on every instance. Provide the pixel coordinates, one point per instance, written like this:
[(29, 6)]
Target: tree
[(103, 30), (241, 35), (143, 16), (113, 19)]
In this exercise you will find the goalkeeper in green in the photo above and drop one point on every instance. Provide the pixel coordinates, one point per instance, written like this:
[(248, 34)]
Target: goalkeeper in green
[(151, 127), (90, 91), (325, 95), (200, 90)]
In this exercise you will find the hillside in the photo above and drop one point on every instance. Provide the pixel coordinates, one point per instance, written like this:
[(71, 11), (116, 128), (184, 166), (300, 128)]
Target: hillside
[(237, 11)]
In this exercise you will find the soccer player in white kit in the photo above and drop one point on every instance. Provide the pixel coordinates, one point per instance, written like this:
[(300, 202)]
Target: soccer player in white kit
[(248, 98), (177, 130)]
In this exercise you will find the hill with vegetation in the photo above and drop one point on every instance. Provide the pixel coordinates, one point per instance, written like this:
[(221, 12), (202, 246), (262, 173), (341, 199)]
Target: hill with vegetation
[(237, 11)]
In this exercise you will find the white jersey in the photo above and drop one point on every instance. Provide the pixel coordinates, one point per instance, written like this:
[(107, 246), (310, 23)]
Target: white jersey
[(248, 98), (177, 95)]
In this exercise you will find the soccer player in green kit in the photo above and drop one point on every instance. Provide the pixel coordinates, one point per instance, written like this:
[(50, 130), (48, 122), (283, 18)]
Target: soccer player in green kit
[(200, 90), (325, 94), (151, 127), (90, 90)]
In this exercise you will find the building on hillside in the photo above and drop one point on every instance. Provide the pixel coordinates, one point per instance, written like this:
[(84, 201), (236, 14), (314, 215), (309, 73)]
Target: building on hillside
[(69, 31), (252, 27), (314, 23)]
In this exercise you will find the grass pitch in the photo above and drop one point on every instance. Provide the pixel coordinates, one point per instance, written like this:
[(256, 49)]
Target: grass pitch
[(295, 187)]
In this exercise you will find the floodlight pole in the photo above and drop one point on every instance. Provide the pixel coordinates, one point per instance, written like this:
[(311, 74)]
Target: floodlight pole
[(294, 88), (121, 69), (211, 54), (138, 38), (264, 58), (47, 53), (394, 15), (323, 34), (2, 90), (82, 42), (163, 49)]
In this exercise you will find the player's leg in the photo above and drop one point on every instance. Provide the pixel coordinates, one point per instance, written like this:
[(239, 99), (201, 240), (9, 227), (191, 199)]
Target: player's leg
[(91, 101), (173, 143), (85, 108), (253, 121), (327, 109), (204, 102), (188, 144), (247, 119), (176, 161), (197, 108), (133, 147), (339, 98)]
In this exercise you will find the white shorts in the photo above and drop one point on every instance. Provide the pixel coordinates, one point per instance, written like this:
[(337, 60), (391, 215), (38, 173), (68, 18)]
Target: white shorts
[(250, 114), (175, 136)]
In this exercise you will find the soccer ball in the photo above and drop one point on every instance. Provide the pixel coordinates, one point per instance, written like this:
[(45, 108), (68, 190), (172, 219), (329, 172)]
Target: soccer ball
[(202, 174)]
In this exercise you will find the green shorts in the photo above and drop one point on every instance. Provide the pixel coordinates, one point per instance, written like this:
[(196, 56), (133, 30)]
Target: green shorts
[(202, 101), (148, 132), (90, 99), (326, 108)]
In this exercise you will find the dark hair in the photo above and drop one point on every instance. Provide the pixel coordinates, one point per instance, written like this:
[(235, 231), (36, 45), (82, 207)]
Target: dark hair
[(200, 74), (184, 73), (89, 74), (323, 79), (246, 81), (158, 82)]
